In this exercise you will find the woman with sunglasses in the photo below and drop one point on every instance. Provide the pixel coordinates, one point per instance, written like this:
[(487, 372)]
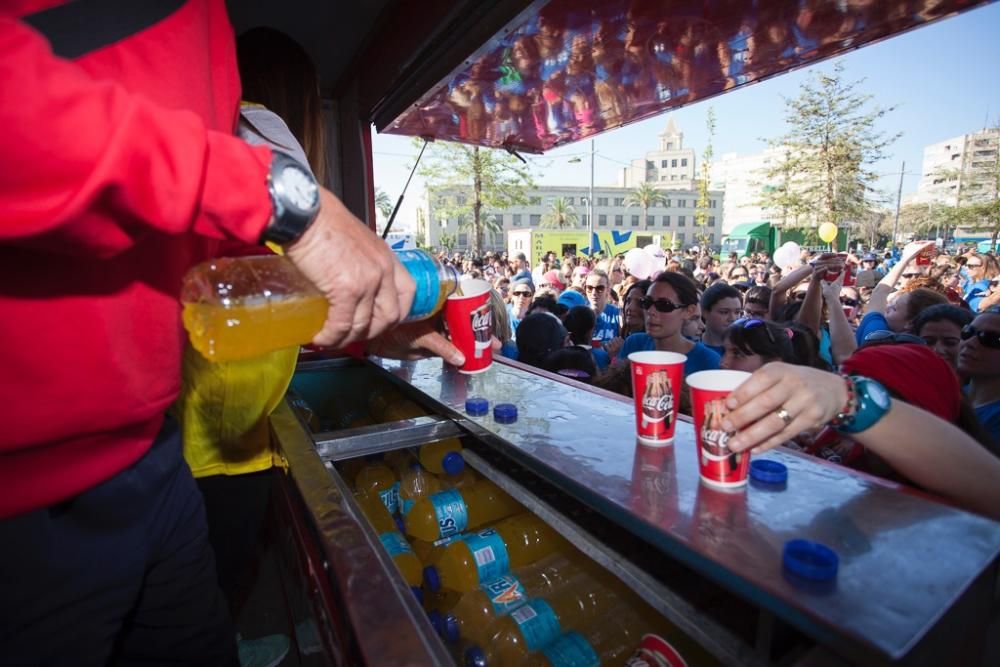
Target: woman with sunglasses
[(979, 360), (980, 270), (521, 292), (670, 300)]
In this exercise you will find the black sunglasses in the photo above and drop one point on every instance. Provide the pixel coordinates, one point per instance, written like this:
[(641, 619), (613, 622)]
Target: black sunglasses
[(521, 293), (884, 337), (662, 305), (844, 301), (990, 339)]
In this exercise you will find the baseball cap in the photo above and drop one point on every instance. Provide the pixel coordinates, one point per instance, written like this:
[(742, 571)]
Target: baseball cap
[(522, 281), (553, 278), (869, 257), (571, 298)]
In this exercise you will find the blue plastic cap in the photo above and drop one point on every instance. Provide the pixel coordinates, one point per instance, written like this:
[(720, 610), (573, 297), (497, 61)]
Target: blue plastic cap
[(453, 463), (475, 657), (477, 406), (769, 472), (417, 593), (450, 626), (505, 413), (431, 578), (810, 560), (434, 616), (400, 524)]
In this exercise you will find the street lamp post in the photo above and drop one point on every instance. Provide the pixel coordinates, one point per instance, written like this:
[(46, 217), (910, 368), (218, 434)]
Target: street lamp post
[(590, 203)]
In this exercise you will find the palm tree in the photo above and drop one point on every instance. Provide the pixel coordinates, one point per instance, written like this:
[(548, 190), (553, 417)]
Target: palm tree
[(645, 196), (383, 203), (561, 214), (488, 224)]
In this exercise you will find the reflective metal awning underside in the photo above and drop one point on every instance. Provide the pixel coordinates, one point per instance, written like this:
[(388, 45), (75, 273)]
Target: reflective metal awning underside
[(568, 69)]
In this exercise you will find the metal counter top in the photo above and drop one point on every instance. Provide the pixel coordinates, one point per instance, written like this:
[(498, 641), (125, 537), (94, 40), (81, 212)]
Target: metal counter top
[(904, 559)]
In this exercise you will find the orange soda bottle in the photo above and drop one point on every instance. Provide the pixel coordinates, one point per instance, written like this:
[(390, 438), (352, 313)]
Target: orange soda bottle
[(484, 556), (442, 458), (455, 511), (395, 544), (375, 478)]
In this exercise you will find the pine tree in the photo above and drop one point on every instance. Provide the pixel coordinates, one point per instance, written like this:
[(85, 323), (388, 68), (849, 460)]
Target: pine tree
[(485, 179), (704, 202), (825, 173)]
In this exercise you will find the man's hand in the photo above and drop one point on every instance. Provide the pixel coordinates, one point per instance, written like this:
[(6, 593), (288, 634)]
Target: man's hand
[(416, 340), (369, 291)]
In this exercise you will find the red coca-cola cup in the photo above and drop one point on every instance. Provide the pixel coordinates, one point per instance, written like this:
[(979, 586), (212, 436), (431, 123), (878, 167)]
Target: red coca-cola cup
[(596, 343), (470, 324), (656, 384), (718, 466)]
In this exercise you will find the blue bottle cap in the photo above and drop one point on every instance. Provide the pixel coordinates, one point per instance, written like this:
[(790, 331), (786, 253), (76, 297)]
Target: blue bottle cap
[(477, 406), (505, 413), (769, 472), (400, 524), (475, 657), (453, 463), (810, 560), (451, 633), (431, 578), (434, 616), (417, 593)]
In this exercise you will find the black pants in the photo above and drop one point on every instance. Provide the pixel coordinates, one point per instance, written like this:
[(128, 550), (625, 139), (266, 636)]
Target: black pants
[(121, 574)]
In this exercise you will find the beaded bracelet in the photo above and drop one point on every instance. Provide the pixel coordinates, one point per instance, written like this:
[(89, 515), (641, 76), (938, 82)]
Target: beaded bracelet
[(846, 415)]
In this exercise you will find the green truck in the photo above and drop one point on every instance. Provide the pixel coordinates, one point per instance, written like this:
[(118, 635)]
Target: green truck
[(752, 237)]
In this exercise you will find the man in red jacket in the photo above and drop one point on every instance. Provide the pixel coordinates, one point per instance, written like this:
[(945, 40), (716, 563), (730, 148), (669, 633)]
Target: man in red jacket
[(121, 172)]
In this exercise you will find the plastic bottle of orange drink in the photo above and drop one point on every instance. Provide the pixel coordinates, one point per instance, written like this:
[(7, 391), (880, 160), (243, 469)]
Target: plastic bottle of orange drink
[(455, 511), (237, 308), (415, 483), (484, 556), (472, 616), (375, 478), (442, 458), (395, 544)]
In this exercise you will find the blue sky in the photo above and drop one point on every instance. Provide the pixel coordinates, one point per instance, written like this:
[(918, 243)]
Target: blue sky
[(945, 79)]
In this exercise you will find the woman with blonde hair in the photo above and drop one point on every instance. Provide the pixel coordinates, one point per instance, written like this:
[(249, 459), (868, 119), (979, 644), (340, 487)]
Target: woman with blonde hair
[(981, 270)]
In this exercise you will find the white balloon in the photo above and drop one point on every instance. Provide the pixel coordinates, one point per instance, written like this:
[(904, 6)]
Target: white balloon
[(793, 249), (781, 257)]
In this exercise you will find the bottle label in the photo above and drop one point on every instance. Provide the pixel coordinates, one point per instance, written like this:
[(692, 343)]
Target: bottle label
[(655, 651), (395, 544), (571, 650), (390, 498), (506, 594), (405, 505), (424, 272), (452, 514), (490, 553), (537, 622)]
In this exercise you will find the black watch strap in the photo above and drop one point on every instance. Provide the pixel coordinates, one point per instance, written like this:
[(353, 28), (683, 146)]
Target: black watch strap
[(290, 218)]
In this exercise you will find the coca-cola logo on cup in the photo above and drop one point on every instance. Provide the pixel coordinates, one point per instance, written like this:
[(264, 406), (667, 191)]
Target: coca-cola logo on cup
[(714, 439), (658, 399), (482, 327)]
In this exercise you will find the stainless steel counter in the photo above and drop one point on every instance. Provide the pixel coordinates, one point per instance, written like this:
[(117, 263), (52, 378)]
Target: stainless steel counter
[(905, 561)]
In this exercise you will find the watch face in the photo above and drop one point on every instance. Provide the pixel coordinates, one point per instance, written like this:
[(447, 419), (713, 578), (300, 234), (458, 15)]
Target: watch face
[(300, 188), (878, 394)]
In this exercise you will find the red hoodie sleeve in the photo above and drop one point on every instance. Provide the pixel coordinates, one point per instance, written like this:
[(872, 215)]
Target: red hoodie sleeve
[(90, 167)]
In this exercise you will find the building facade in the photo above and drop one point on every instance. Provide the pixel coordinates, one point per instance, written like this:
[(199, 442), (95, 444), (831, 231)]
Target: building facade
[(961, 170), (672, 166), (676, 217)]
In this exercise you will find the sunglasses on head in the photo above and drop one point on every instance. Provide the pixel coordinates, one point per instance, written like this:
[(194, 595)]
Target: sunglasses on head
[(595, 288), (889, 338), (990, 339), (662, 305), (751, 323)]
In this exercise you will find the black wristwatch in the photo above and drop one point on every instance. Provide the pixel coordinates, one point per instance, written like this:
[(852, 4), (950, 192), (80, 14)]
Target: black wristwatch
[(295, 198)]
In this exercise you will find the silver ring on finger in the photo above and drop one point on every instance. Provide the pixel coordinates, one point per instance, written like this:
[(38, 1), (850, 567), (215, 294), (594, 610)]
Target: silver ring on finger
[(785, 416)]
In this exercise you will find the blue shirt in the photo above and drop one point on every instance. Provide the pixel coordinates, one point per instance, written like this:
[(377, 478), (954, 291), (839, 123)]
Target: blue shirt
[(509, 350), (601, 357), (989, 417), (977, 292), (513, 321), (699, 358), (608, 323), (871, 322)]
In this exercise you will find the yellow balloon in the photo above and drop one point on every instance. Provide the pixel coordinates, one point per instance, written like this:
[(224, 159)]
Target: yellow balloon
[(828, 232)]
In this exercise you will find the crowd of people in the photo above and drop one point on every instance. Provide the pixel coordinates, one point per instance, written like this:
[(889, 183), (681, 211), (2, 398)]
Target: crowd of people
[(922, 323)]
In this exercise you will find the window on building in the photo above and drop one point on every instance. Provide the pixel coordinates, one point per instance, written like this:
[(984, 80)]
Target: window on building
[(602, 201), (681, 220), (515, 220), (650, 164), (663, 177), (711, 221), (673, 177), (682, 203), (668, 204), (684, 162), (569, 200), (711, 239), (619, 219), (650, 220), (442, 200), (670, 145), (585, 220), (602, 220), (666, 220), (460, 200), (498, 219), (463, 239), (673, 163), (534, 219), (619, 201), (663, 163), (713, 203), (682, 238), (635, 221), (535, 201)]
